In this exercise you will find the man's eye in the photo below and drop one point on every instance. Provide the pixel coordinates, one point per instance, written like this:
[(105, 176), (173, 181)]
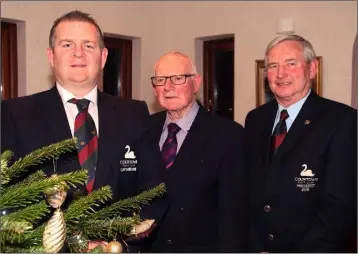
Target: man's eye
[(66, 45), (179, 78), (160, 79), (89, 46), (271, 66)]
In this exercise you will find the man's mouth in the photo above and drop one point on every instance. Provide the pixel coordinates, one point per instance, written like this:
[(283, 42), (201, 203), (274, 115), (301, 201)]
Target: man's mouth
[(283, 83), (78, 65)]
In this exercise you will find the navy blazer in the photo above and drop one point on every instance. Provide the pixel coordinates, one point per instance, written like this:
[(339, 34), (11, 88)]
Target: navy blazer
[(294, 209), (205, 208), (31, 122)]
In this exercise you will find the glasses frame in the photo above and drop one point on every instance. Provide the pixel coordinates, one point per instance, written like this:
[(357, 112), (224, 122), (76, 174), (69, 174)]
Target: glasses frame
[(171, 79)]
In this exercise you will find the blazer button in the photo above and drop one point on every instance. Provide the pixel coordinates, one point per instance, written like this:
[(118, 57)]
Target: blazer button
[(267, 208), (182, 209), (270, 237), (169, 241)]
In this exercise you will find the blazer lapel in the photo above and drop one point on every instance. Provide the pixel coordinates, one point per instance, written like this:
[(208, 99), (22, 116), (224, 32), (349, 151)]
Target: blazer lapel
[(195, 139), (266, 133), (299, 128), (107, 128), (53, 110)]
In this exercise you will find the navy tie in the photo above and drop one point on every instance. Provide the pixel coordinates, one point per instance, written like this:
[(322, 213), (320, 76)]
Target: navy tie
[(279, 132), (87, 141), (169, 149)]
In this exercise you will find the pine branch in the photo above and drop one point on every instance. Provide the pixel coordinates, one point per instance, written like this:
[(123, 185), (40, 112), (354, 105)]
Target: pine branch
[(5, 158), (11, 231), (17, 227), (109, 228), (35, 177), (33, 237), (38, 156), (29, 214), (84, 205), (17, 223), (6, 155), (128, 204), (32, 192), (22, 249)]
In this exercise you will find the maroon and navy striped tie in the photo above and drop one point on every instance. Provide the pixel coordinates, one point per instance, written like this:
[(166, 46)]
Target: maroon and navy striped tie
[(87, 141), (169, 149), (279, 132)]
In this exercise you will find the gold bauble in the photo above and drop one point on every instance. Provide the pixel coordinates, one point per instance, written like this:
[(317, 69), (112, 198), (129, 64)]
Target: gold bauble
[(56, 195), (55, 233), (114, 247)]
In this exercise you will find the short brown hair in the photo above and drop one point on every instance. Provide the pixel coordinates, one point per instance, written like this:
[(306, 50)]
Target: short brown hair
[(75, 16)]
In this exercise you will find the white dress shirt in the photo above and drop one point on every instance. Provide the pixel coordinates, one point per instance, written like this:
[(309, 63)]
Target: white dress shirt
[(292, 111), (71, 109)]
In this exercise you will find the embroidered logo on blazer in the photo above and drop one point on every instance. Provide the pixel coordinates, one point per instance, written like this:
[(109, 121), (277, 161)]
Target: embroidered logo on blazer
[(129, 164), (129, 154), (307, 180)]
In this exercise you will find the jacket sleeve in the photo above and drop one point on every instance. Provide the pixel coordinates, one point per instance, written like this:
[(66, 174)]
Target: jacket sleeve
[(233, 195)]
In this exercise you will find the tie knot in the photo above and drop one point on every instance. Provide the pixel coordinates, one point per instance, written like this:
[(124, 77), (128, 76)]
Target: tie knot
[(173, 128), (82, 104), (283, 115)]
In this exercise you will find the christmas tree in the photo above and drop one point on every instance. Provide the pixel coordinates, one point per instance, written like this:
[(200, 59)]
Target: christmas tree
[(23, 206)]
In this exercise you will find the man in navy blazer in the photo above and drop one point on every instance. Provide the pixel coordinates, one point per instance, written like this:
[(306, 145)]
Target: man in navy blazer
[(77, 54), (303, 173), (205, 208)]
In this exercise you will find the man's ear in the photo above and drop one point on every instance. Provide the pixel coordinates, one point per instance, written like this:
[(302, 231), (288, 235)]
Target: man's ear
[(155, 91), (50, 56), (313, 68), (104, 55), (197, 82)]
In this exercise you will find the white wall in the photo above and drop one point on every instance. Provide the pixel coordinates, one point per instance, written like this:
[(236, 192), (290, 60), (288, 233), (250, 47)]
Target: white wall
[(167, 26)]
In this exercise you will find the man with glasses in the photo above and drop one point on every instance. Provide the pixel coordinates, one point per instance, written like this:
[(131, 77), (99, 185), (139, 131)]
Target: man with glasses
[(201, 159)]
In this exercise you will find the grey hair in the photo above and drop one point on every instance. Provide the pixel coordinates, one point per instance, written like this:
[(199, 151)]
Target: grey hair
[(308, 51), (75, 16)]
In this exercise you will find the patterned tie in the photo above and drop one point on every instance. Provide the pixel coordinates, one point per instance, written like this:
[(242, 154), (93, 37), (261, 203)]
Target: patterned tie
[(169, 149), (280, 132), (87, 141)]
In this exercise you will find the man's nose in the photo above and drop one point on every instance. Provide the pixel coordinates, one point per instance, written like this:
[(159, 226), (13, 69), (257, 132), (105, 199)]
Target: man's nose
[(78, 52), (281, 71), (168, 85)]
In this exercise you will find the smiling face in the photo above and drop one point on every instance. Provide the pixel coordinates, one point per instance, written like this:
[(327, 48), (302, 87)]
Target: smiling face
[(177, 99), (288, 72), (76, 57)]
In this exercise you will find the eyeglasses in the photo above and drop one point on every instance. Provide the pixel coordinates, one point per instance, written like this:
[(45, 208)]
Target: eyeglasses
[(175, 79)]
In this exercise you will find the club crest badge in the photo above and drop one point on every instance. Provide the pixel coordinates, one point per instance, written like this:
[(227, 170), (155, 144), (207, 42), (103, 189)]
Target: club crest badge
[(129, 163), (306, 181)]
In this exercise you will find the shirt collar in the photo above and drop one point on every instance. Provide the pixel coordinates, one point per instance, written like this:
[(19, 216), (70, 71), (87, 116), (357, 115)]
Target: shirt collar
[(295, 108), (66, 95), (186, 121)]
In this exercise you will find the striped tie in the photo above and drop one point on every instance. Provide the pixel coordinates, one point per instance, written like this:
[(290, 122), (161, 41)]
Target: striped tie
[(169, 149), (280, 132), (87, 141)]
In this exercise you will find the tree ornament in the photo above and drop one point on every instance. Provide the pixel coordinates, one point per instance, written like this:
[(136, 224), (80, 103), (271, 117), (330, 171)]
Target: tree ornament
[(56, 195), (78, 242), (114, 247), (55, 233)]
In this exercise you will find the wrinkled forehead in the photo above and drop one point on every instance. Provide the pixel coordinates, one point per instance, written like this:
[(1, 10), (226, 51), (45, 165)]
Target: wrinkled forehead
[(172, 65)]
